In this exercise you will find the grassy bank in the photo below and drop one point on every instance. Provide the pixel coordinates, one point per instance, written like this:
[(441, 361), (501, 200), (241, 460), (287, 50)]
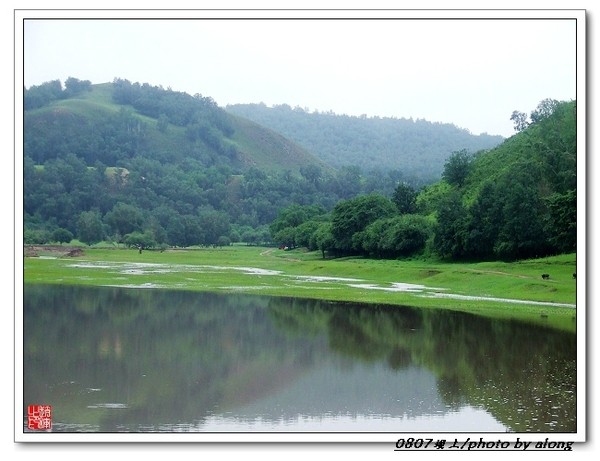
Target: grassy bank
[(490, 289)]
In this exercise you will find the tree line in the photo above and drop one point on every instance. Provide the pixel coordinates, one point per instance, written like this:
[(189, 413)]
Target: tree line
[(516, 201), (41, 95), (148, 203)]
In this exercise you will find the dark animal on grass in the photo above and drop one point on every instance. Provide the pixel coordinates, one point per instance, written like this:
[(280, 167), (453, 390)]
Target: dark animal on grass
[(574, 275), (545, 276)]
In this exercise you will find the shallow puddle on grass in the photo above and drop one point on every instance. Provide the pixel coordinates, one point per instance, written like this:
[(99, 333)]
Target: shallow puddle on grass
[(315, 278), (502, 300), (331, 282), (397, 287), (156, 268)]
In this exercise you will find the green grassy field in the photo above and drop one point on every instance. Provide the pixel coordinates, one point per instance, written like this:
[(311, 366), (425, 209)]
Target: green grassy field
[(495, 289)]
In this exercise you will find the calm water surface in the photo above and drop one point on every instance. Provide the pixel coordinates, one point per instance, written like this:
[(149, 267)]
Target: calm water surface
[(126, 360)]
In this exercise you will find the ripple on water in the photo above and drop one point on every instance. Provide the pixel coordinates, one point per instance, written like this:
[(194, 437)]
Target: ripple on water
[(109, 406)]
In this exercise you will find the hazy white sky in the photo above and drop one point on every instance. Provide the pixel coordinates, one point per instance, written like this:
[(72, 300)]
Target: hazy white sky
[(472, 73)]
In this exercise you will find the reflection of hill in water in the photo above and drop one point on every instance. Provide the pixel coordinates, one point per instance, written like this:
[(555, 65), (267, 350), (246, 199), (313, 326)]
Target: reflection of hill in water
[(353, 390), (358, 398), (184, 358)]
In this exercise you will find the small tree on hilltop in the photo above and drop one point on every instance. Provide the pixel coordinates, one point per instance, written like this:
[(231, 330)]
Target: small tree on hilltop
[(520, 120)]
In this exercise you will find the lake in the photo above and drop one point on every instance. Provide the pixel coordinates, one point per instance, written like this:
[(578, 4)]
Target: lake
[(147, 360)]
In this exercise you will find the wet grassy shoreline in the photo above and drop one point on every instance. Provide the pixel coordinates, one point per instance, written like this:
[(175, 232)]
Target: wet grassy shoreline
[(493, 289)]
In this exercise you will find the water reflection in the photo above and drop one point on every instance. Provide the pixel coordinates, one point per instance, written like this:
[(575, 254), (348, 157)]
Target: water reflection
[(114, 359)]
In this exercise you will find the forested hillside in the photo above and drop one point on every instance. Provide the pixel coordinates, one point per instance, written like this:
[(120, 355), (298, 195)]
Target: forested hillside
[(418, 148), (112, 123), (130, 162), (516, 201), (136, 164)]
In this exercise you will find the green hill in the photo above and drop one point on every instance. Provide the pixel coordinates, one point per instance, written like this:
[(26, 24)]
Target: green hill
[(417, 148), (96, 127), (132, 162), (516, 201), (548, 147)]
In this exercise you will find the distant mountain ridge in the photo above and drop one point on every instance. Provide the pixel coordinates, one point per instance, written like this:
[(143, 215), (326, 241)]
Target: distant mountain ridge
[(417, 148)]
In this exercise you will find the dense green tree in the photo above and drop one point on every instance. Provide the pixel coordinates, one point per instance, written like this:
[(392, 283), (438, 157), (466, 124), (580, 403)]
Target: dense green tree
[(405, 198), (185, 231), (140, 240), (74, 87), (323, 238), (407, 235), (256, 236), (371, 237), (90, 229), (399, 236), (157, 230), (485, 218), (124, 219), (305, 231), (181, 109), (61, 235), (67, 171), (562, 221), (60, 208), (36, 236), (90, 137), (449, 240), (295, 215), (213, 224), (352, 216), (522, 234), (429, 198), (40, 95), (285, 237), (544, 110), (555, 148), (223, 241), (250, 236), (457, 167)]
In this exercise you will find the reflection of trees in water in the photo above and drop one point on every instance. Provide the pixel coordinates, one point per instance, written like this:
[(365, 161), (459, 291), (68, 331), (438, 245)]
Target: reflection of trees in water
[(366, 333), (171, 355), (524, 375), (506, 367), (180, 356)]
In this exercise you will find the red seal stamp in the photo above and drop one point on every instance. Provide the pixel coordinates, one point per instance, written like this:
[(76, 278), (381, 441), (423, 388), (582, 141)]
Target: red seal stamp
[(39, 417)]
